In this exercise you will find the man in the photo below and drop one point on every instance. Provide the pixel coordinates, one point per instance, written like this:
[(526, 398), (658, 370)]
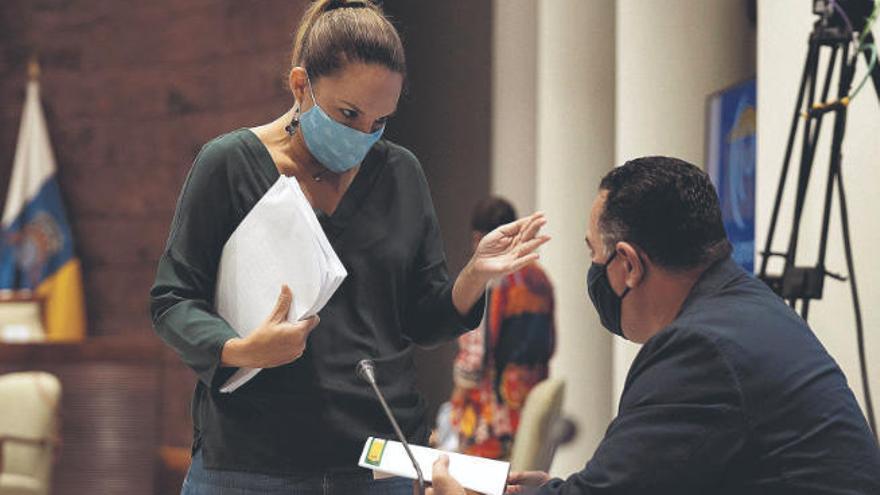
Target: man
[(731, 393), (507, 355)]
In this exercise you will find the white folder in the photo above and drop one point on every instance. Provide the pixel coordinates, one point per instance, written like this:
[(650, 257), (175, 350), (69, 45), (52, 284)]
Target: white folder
[(279, 242)]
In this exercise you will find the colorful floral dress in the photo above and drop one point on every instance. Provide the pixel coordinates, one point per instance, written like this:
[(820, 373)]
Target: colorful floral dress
[(499, 362)]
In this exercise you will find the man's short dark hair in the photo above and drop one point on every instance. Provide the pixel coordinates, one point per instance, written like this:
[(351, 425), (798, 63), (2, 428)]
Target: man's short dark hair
[(492, 213), (668, 208)]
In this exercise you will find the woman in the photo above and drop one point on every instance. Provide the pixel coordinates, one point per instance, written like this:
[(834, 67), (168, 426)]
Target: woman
[(299, 426), (500, 362)]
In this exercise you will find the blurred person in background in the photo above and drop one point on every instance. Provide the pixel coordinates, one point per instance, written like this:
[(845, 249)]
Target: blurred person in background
[(507, 355)]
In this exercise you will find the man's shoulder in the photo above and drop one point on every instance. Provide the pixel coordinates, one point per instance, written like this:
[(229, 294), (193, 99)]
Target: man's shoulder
[(681, 365), (760, 341), (745, 311)]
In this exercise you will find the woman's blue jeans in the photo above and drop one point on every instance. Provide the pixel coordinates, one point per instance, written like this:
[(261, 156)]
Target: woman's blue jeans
[(202, 481)]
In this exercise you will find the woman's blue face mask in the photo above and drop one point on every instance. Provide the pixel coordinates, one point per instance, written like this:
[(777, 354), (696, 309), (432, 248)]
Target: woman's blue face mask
[(336, 146)]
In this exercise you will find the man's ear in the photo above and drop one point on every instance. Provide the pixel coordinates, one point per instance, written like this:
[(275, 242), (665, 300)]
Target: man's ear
[(632, 262)]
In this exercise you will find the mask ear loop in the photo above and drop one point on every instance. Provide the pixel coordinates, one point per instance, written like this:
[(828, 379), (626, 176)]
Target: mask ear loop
[(627, 288), (311, 91), (294, 124)]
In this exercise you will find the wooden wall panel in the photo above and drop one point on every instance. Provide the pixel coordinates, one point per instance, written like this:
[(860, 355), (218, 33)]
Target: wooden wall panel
[(131, 91)]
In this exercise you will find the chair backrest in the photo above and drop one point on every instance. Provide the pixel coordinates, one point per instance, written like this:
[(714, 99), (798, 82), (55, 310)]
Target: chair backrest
[(29, 409), (533, 447)]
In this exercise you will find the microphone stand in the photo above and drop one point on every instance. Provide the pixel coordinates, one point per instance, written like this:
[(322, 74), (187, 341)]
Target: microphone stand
[(366, 370)]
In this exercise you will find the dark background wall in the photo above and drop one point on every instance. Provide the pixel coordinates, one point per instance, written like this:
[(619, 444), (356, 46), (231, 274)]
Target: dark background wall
[(132, 90), (445, 121)]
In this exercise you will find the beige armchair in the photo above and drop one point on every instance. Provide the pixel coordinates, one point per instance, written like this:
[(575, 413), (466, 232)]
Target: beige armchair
[(28, 432), (536, 438)]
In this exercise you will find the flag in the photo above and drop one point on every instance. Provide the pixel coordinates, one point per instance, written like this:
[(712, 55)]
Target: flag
[(36, 245)]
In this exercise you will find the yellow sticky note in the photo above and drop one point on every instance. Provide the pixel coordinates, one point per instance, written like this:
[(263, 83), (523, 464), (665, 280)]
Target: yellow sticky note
[(374, 454)]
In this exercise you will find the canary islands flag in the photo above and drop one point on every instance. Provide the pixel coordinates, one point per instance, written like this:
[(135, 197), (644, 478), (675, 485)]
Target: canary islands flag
[(37, 246)]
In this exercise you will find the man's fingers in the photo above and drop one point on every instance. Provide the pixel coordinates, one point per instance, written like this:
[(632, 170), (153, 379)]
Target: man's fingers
[(441, 480), (282, 306), (517, 480), (441, 467)]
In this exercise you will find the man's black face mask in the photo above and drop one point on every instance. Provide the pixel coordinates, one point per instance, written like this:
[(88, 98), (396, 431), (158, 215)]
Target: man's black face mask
[(606, 301)]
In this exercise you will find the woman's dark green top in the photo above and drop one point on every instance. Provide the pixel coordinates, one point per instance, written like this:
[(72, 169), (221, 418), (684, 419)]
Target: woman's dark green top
[(315, 413)]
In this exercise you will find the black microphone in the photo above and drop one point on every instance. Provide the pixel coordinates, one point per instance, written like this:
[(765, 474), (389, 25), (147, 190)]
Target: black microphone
[(366, 369)]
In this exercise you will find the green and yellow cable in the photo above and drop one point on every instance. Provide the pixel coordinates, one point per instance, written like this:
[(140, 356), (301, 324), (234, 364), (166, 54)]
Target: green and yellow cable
[(862, 47)]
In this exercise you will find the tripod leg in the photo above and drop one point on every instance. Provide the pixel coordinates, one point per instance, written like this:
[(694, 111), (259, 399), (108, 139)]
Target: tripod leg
[(857, 308), (834, 169), (806, 163), (826, 86), (783, 175)]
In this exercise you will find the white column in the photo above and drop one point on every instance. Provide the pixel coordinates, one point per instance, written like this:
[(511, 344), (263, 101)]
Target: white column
[(670, 56), (782, 49), (514, 59), (575, 147)]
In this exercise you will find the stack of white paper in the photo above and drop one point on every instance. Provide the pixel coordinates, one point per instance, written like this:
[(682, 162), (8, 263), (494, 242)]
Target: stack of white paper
[(279, 242)]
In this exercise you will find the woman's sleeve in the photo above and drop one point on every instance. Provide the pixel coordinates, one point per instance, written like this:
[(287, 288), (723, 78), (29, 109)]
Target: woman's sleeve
[(433, 317), (182, 297)]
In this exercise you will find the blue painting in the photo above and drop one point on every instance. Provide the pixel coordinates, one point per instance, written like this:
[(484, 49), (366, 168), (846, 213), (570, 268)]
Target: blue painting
[(730, 163)]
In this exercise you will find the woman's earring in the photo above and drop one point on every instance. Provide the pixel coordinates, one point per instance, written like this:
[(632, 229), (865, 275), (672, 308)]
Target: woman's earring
[(294, 123)]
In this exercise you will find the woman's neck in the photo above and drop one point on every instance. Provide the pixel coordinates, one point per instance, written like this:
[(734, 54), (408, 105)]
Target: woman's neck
[(293, 148), (292, 158)]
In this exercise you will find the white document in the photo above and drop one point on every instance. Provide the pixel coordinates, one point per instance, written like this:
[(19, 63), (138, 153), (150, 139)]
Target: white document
[(387, 457), (279, 242)]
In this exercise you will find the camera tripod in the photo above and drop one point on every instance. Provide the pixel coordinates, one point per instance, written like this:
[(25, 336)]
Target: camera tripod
[(805, 283)]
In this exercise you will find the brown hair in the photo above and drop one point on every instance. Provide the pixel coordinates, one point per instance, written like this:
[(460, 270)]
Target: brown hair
[(335, 32), (492, 213)]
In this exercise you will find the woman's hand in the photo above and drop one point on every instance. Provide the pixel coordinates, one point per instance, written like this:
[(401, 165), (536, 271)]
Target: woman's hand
[(275, 342), (509, 247), (502, 251), (522, 481)]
